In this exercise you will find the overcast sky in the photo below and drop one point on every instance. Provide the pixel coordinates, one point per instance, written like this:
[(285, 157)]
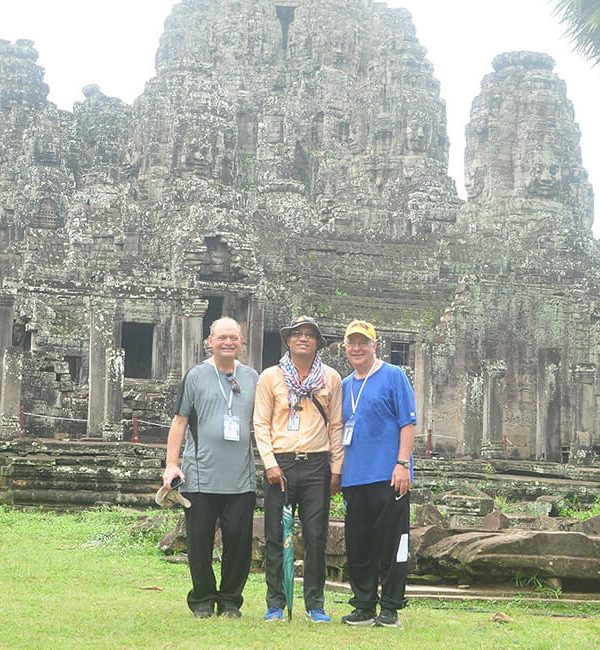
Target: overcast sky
[(112, 43)]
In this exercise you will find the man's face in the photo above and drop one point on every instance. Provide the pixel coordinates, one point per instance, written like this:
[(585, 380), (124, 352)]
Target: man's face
[(360, 350), (303, 341), (226, 341)]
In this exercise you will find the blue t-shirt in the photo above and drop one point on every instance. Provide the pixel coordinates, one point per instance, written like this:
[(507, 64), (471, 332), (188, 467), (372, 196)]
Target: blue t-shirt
[(387, 403)]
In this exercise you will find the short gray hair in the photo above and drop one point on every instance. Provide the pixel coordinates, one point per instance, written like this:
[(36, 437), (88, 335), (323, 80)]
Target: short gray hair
[(224, 320)]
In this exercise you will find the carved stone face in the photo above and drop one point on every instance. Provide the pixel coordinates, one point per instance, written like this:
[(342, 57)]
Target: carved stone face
[(543, 179), (474, 182), (199, 158), (418, 134)]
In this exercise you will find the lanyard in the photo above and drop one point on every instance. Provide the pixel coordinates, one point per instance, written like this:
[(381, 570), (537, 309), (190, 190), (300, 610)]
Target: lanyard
[(360, 390), (229, 401)]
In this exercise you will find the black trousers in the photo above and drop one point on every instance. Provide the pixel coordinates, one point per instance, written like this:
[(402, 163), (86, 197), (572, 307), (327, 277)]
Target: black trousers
[(377, 527), (308, 484), (235, 513)]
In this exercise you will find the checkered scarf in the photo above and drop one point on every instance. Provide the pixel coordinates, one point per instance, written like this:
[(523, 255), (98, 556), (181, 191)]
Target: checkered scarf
[(298, 389)]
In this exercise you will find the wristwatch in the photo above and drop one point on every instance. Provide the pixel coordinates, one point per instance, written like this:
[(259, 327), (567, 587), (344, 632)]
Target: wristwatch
[(404, 463)]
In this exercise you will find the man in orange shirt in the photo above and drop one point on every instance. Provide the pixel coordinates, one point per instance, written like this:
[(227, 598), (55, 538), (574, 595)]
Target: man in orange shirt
[(298, 431)]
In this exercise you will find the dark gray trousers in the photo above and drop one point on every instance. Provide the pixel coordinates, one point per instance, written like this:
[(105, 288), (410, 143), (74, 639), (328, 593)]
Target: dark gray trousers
[(308, 483), (235, 513), (377, 528)]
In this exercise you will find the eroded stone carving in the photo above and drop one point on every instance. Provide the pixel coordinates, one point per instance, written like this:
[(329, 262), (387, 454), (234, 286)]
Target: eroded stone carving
[(287, 157)]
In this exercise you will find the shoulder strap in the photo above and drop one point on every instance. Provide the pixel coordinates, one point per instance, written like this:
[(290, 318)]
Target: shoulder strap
[(320, 407)]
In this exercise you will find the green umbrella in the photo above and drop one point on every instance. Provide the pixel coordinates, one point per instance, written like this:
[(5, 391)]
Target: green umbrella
[(287, 522)]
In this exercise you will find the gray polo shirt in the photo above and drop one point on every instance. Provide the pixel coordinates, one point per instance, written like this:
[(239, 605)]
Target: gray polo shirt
[(210, 463)]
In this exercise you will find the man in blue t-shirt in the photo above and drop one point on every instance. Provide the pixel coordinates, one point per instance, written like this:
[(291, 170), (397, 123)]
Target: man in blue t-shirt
[(379, 430)]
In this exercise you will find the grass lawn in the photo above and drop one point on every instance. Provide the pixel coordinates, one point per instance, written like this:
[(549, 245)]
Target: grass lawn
[(84, 580)]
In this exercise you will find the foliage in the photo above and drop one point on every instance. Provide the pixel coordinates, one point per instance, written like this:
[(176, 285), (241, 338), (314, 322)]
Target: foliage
[(429, 317), (573, 508), (336, 506), (538, 583), (439, 487), (501, 503), (582, 21)]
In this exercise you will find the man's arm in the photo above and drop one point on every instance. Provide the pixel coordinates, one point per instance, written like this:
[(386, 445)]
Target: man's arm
[(264, 402), (401, 475), (334, 431), (174, 440)]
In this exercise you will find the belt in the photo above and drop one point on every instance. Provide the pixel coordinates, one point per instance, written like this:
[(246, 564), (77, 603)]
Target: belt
[(298, 456)]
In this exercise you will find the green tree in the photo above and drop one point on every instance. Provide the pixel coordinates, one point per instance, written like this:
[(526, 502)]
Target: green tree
[(582, 21)]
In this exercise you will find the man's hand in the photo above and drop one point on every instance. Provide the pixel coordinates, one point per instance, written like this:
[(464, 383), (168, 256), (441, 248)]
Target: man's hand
[(170, 473), (400, 479), (336, 482), (275, 475)]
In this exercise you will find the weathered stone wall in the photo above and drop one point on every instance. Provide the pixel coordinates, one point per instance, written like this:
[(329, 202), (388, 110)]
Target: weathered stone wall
[(54, 472)]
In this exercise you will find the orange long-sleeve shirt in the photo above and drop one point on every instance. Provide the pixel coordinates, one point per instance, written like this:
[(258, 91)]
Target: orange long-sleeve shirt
[(271, 415)]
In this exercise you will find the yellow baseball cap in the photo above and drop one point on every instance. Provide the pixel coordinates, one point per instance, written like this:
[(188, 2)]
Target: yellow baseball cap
[(361, 327)]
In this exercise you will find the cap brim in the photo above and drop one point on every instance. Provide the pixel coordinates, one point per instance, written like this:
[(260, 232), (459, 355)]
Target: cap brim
[(186, 503), (358, 330), (167, 498)]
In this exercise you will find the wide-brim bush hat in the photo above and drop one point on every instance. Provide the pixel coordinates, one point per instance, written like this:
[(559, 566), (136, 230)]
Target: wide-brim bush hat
[(299, 322)]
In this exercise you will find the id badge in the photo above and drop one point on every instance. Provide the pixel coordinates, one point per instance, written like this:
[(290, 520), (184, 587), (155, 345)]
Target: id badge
[(294, 422), (231, 428), (347, 434)]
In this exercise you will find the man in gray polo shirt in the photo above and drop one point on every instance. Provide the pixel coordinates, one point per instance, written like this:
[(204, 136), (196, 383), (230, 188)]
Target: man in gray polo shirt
[(213, 413)]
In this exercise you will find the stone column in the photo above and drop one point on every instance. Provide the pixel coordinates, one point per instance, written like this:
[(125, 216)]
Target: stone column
[(113, 406), (423, 393), (239, 309), (12, 376), (104, 334), (97, 372), (547, 429), (175, 344), (6, 328), (158, 367), (473, 414), (255, 336), (492, 445), (583, 401), (192, 324)]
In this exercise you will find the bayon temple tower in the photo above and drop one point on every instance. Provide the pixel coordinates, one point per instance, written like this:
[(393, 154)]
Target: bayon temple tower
[(291, 156)]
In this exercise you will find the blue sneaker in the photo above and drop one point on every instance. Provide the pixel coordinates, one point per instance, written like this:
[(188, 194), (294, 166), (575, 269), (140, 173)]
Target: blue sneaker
[(274, 614), (318, 615)]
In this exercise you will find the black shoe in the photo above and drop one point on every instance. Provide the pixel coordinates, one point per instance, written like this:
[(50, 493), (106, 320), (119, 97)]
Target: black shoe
[(204, 611), (387, 618), (229, 611), (359, 617)]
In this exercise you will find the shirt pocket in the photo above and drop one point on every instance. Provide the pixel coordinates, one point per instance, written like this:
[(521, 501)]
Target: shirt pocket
[(324, 396), (280, 395)]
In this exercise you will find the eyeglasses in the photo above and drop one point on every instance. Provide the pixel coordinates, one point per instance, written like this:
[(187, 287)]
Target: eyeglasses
[(309, 334), (235, 387)]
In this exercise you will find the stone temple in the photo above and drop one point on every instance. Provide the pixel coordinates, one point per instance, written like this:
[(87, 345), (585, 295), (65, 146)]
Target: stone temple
[(290, 156)]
